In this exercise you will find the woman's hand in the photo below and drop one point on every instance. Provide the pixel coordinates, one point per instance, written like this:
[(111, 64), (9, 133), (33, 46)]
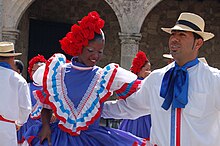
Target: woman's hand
[(53, 118), (17, 127), (45, 133)]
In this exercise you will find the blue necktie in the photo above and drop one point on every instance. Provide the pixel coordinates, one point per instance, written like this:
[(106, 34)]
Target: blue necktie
[(174, 87)]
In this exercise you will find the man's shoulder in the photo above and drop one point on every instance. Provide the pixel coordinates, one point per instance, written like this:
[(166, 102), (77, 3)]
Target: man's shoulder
[(206, 67), (18, 77), (208, 70)]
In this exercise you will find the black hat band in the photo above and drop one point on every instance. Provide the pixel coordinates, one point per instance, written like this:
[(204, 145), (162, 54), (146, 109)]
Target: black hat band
[(13, 51), (189, 24)]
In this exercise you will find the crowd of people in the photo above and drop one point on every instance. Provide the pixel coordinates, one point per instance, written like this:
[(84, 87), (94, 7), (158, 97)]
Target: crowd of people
[(177, 105)]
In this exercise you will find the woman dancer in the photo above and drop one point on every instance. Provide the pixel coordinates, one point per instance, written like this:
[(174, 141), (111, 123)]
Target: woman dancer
[(75, 91)]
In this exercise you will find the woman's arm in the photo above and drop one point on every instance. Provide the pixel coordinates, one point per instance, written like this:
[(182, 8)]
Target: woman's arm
[(45, 132)]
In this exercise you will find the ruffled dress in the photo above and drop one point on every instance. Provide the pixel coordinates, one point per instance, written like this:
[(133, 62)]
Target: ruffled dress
[(31, 120), (139, 127), (76, 94)]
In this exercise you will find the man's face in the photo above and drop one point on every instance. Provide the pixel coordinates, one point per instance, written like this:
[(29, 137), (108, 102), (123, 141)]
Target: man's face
[(183, 46)]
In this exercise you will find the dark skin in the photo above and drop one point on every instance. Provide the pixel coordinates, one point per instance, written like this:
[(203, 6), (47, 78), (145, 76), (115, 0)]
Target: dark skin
[(91, 54), (45, 133)]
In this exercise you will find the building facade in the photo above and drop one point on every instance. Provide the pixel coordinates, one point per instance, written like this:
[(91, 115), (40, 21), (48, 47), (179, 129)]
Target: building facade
[(36, 26)]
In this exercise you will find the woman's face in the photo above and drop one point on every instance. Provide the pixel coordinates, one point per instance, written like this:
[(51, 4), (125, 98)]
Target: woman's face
[(35, 67), (92, 53), (145, 70)]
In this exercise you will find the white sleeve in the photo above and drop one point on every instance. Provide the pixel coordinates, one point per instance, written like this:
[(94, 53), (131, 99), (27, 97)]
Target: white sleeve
[(216, 91), (134, 106), (24, 103), (38, 75)]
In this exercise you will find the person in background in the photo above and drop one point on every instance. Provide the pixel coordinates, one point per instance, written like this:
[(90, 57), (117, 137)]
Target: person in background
[(15, 105), (182, 97), (34, 117), (75, 91), (168, 58), (140, 127), (19, 66)]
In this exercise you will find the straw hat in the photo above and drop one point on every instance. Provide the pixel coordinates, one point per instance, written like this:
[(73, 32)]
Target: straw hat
[(7, 49), (191, 22)]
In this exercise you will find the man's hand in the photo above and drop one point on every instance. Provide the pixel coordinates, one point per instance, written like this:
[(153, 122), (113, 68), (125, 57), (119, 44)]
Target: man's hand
[(17, 127)]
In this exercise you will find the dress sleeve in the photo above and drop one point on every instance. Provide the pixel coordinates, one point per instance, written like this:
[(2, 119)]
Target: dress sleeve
[(115, 78), (134, 106), (38, 75), (46, 76), (37, 108)]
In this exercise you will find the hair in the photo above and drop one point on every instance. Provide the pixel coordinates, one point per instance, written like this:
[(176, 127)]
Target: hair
[(98, 37), (19, 65), (139, 62), (3, 58), (197, 36), (34, 60)]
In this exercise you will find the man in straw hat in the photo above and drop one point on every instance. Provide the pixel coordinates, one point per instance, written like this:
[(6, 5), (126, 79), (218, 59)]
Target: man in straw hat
[(182, 97), (15, 105)]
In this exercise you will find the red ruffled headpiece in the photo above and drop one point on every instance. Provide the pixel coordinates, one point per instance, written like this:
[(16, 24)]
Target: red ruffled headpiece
[(81, 34), (138, 62), (38, 58)]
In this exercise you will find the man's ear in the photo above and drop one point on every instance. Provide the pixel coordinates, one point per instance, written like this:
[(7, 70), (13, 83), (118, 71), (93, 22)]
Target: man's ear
[(199, 43)]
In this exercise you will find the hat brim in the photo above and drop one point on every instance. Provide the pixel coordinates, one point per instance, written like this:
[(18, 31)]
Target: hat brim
[(168, 56), (202, 59), (9, 54), (205, 35)]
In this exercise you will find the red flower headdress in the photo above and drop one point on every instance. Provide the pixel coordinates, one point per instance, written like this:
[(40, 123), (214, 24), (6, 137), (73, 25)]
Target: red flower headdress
[(80, 35), (38, 58), (138, 62)]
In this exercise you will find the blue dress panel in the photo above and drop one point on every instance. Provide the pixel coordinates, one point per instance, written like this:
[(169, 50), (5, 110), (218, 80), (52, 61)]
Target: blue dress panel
[(139, 127)]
